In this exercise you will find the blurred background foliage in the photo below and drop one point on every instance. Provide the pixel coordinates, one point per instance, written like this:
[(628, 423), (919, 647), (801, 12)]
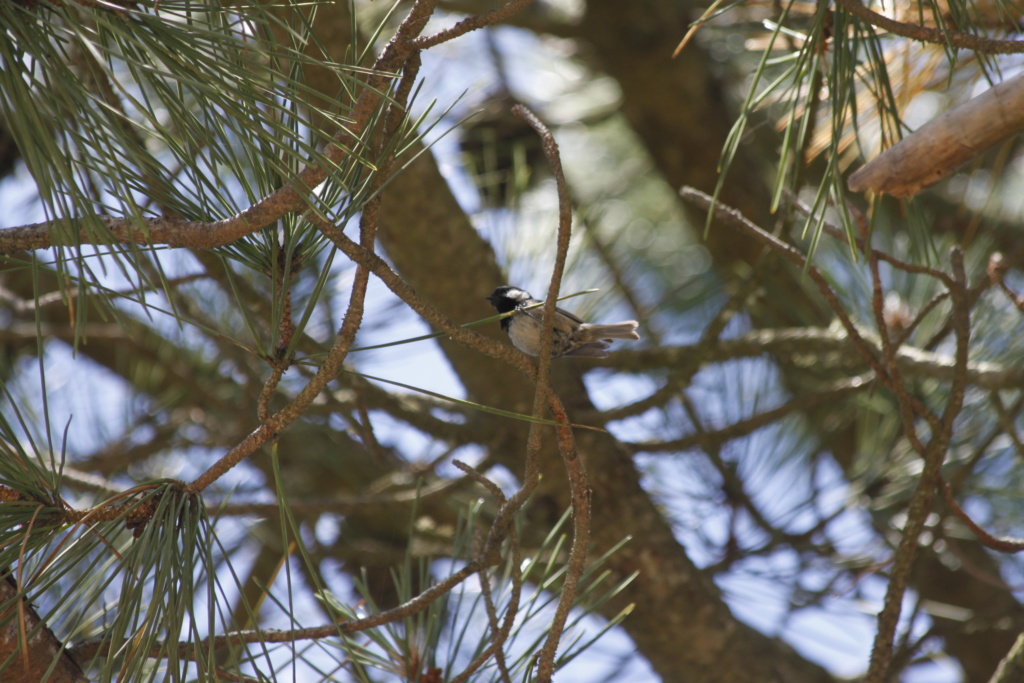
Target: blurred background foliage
[(753, 483)]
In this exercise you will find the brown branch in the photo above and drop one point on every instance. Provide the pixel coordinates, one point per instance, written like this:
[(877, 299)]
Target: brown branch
[(329, 369), (735, 219), (500, 632), (825, 348), (579, 488), (290, 198), (541, 19), (919, 318), (898, 386), (861, 241), (471, 24), (412, 408), (73, 293), (281, 361), (1002, 545), (138, 512), (924, 34), (364, 426), (961, 316), (922, 499), (938, 148), (499, 635), (1006, 420), (342, 505), (107, 511), (714, 439), (44, 657), (997, 268), (287, 199)]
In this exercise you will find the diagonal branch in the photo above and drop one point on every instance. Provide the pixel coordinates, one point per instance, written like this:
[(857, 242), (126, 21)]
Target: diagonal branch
[(290, 198), (273, 425), (936, 36)]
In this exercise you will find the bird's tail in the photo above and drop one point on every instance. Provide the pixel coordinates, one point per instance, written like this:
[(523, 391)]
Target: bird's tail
[(596, 349), (623, 330)]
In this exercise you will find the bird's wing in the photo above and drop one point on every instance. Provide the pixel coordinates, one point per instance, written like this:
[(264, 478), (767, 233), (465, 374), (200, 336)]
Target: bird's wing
[(538, 314)]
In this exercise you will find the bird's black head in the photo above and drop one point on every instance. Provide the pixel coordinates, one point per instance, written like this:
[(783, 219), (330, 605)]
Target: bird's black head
[(506, 298)]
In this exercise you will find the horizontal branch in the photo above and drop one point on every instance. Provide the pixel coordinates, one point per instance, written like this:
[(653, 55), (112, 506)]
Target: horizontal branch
[(173, 232), (709, 440), (341, 505), (821, 348)]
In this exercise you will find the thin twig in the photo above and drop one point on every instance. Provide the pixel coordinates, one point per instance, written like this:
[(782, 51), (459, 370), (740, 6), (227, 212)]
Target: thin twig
[(924, 34), (897, 386), (332, 364), (341, 505), (1007, 420), (579, 486), (471, 24), (997, 268), (919, 318), (364, 424), (400, 288), (714, 439), (735, 219), (924, 494), (499, 633), (862, 242), (830, 348), (1002, 545)]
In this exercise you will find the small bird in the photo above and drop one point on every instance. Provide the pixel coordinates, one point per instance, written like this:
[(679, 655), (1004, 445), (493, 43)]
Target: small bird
[(572, 336)]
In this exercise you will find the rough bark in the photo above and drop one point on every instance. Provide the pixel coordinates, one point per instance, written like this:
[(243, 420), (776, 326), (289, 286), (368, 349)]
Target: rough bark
[(43, 650)]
